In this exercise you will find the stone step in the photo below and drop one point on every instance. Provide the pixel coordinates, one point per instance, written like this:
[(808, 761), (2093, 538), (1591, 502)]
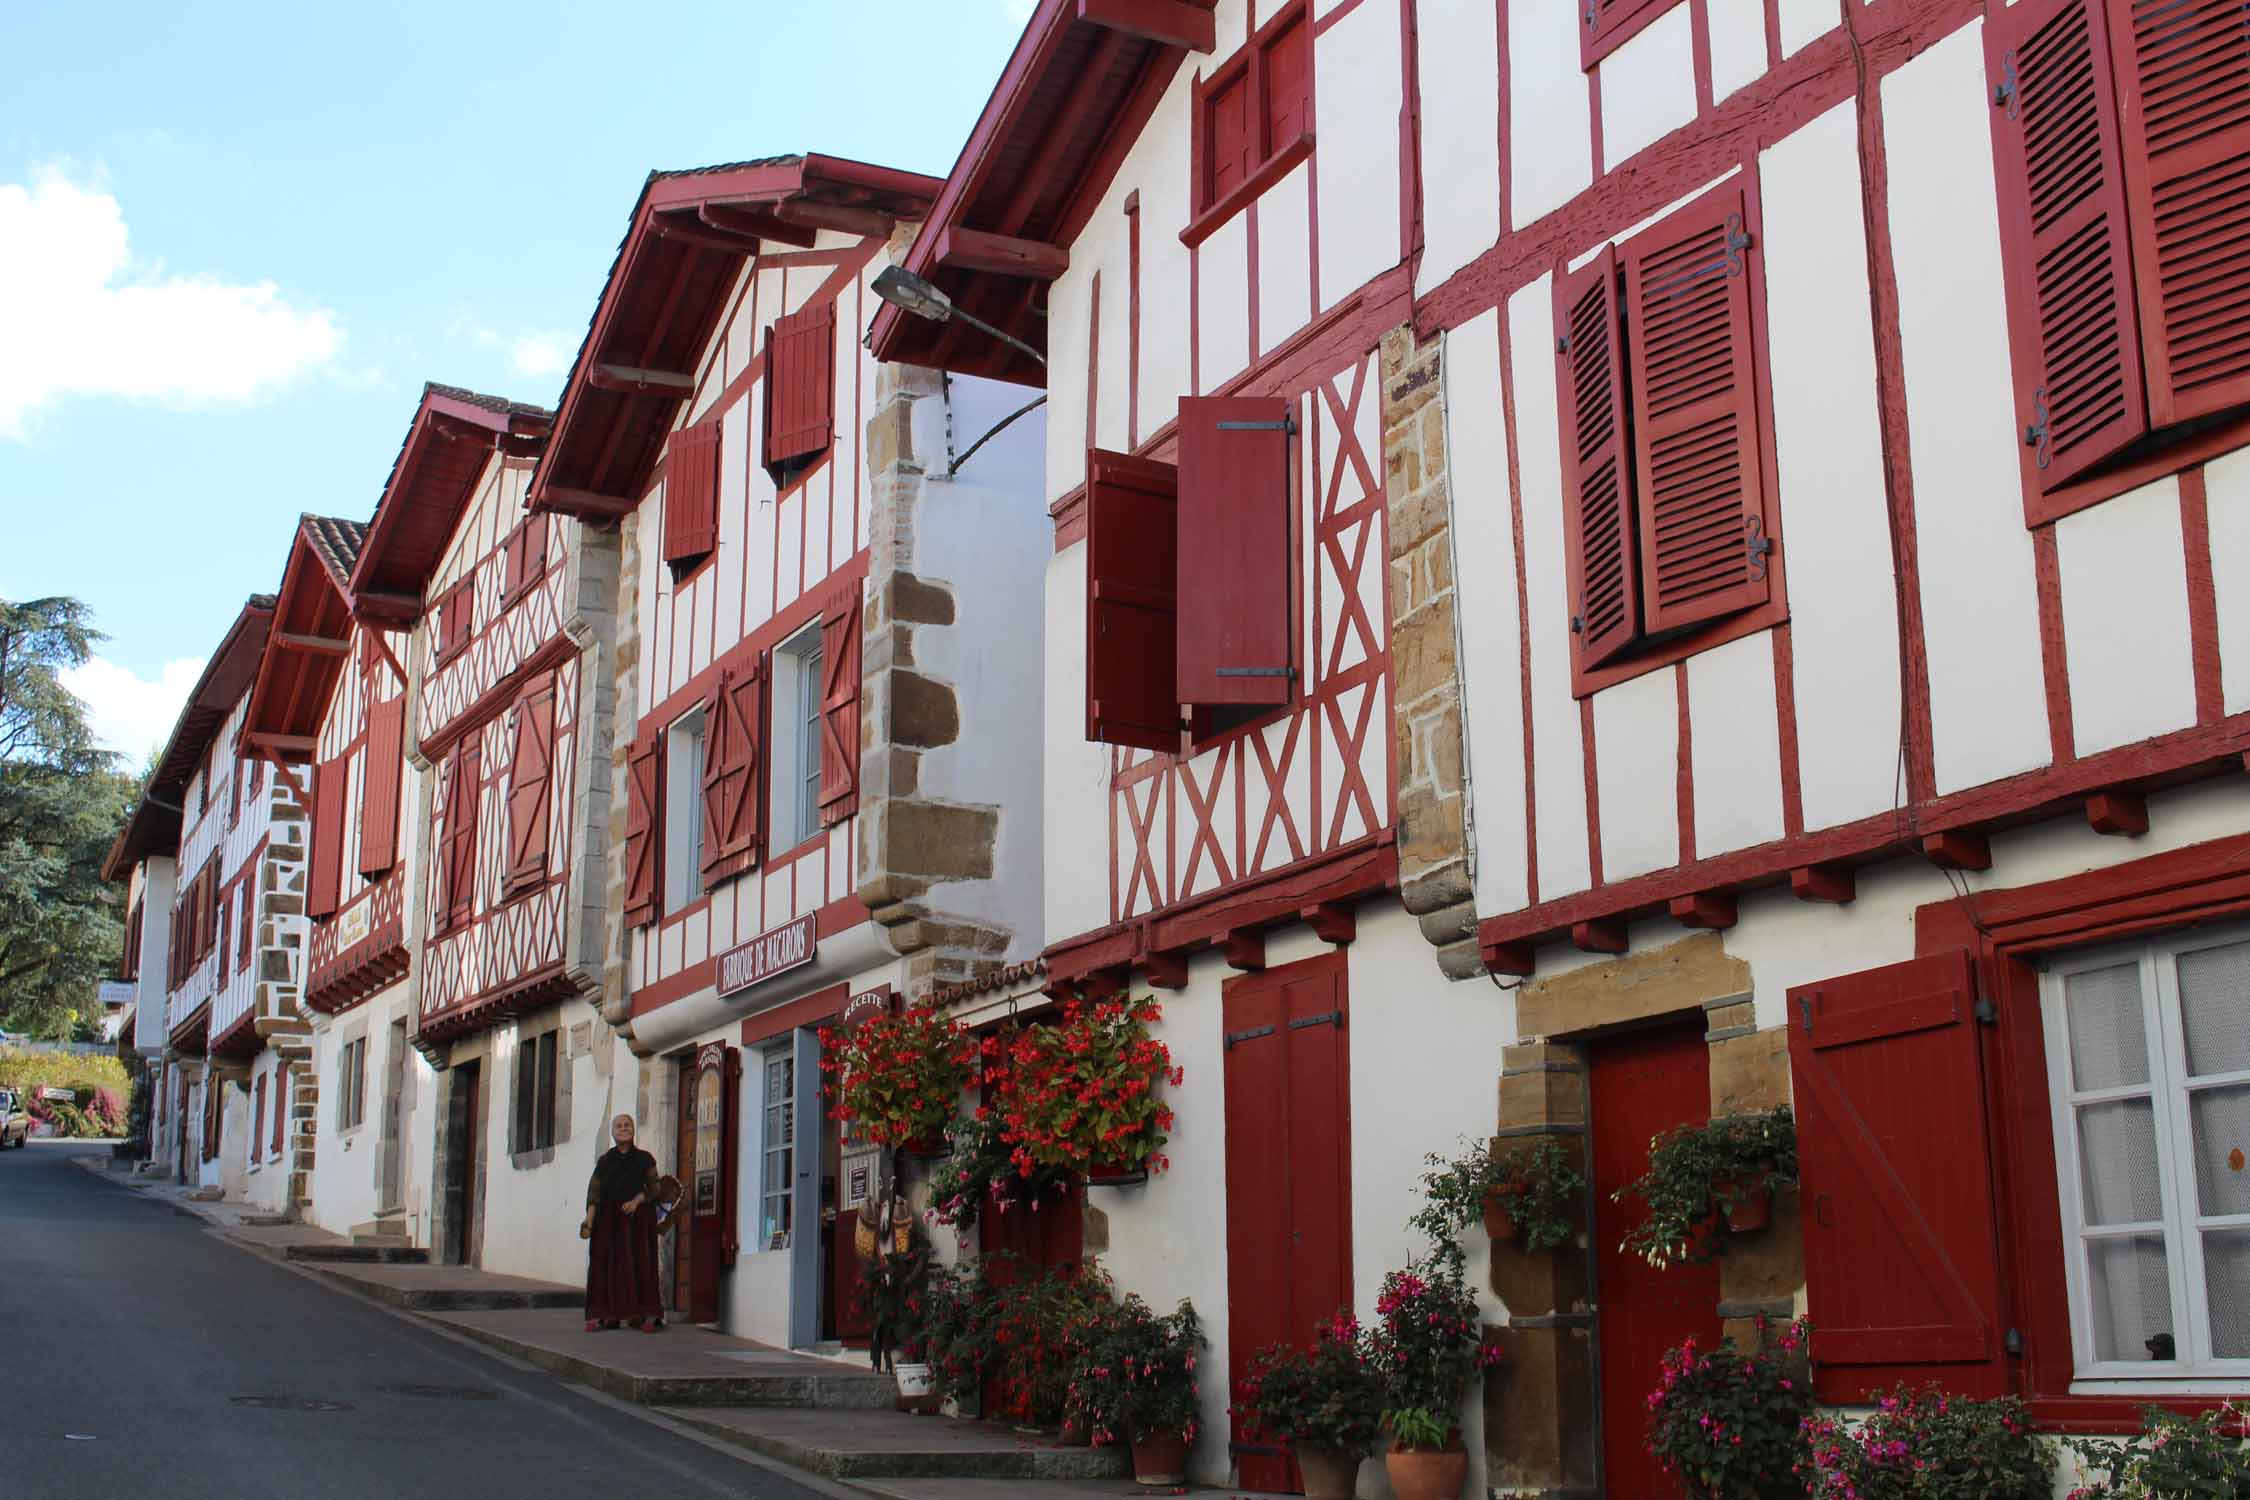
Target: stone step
[(266, 1221), (892, 1445), (419, 1287), (402, 1255)]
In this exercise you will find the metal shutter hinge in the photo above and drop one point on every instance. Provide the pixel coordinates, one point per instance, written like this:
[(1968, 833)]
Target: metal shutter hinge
[(1286, 424), (1322, 1019), (1234, 1037), (2012, 1341), (1986, 1012), (2004, 93), (1257, 671)]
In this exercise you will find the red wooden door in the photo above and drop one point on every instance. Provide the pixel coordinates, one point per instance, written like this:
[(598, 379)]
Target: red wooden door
[(1288, 1112), (683, 1238), (1044, 1239), (708, 1083), (1641, 1084)]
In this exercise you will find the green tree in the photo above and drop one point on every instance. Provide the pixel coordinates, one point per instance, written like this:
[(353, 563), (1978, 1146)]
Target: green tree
[(61, 802)]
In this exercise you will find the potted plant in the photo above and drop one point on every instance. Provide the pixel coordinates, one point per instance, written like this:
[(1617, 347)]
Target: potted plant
[(1700, 1174), (1135, 1382), (1529, 1192), (892, 1295), (899, 1077), (957, 1335), (1928, 1445), (1083, 1095), (980, 1174), (1428, 1344), (2176, 1455), (1727, 1425), (1325, 1403)]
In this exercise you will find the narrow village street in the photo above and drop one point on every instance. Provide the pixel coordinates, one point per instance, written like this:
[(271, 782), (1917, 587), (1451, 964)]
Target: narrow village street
[(149, 1357)]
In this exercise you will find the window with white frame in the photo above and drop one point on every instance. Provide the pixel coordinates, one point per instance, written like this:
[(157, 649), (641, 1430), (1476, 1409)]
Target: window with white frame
[(351, 1084), (683, 811), (780, 1157), (797, 688), (2148, 1057)]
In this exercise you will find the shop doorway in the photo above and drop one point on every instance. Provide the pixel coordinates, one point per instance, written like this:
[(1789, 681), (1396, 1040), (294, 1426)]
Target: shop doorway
[(710, 1090), (465, 1122), (1640, 1084)]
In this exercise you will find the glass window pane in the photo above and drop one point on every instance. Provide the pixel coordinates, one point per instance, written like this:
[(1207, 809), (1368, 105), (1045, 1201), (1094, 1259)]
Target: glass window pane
[(2108, 1036), (2226, 1270), (2221, 1119), (2117, 1156), (2215, 1008), (2131, 1286)]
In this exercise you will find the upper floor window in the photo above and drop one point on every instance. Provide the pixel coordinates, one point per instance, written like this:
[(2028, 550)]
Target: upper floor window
[(797, 680), (1253, 119), (523, 557), (683, 810), (456, 614), (800, 389), (1670, 519), (691, 496), (531, 777), (351, 1084), (460, 801), (2122, 136), (777, 1193), (2148, 1062)]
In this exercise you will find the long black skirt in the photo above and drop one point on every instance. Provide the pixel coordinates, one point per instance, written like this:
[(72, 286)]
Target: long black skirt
[(621, 1276)]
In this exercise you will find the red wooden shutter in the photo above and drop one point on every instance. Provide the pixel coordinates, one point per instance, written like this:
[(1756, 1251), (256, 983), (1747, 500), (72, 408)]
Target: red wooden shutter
[(1132, 615), (1599, 532), (530, 775), (1230, 136), (280, 1107), (248, 909), (2063, 237), (643, 804), (839, 706), (734, 720), (1236, 634), (1288, 103), (226, 936), (462, 805), (324, 881), (1902, 1265), (800, 383), (526, 555), (1697, 468), (691, 493), (258, 1121), (2183, 81), (379, 787)]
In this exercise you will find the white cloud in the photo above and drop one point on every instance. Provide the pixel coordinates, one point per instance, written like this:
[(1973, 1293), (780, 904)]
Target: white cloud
[(85, 317), (1018, 10), (540, 352), (132, 715)]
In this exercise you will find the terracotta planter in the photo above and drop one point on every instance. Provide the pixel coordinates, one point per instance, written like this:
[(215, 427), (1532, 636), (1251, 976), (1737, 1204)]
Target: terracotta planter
[(1750, 1211), (1160, 1458), (1329, 1473), (1419, 1475), (1498, 1222)]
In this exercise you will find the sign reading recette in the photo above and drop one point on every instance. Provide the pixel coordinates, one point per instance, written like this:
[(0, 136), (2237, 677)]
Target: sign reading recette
[(775, 951)]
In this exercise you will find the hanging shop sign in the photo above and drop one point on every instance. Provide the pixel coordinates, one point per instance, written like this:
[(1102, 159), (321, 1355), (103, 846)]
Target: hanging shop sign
[(774, 951)]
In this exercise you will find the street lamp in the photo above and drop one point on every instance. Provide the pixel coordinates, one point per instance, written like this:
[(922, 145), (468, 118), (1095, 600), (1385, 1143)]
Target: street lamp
[(914, 294)]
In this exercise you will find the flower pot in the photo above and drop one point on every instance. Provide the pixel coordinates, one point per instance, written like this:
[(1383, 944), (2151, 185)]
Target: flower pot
[(1114, 1174), (1498, 1222), (1329, 1473), (916, 1388), (1420, 1475), (1160, 1458), (1749, 1210), (927, 1146)]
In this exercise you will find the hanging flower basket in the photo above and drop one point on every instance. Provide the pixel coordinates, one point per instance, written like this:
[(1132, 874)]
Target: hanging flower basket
[(1085, 1095), (898, 1078)]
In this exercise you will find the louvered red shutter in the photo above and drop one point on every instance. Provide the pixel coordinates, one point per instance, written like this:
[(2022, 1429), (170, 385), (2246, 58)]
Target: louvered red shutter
[(800, 383), (734, 774), (1600, 535), (526, 556), (839, 706), (1698, 472), (1288, 85), (280, 1106), (1235, 562), (248, 908), (379, 787), (1132, 614), (2064, 237), (691, 493), (1902, 1269), (324, 881), (530, 776), (2183, 80), (1231, 136), (643, 792), (462, 805), (225, 937)]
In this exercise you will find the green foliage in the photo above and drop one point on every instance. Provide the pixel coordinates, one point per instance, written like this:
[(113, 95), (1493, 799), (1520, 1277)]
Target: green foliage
[(2176, 1458), (1328, 1396), (27, 1071), (1427, 1345), (1134, 1373), (61, 802), (1022, 1328), (1728, 1425), (1927, 1445), (980, 1175), (1694, 1171), (1417, 1428), (1536, 1183)]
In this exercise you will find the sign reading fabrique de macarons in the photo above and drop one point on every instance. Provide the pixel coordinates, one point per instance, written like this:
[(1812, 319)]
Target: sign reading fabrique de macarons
[(775, 951)]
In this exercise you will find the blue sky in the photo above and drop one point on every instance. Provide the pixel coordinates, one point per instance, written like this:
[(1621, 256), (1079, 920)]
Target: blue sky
[(235, 240)]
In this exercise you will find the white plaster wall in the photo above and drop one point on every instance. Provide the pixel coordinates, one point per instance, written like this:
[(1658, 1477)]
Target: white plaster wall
[(1738, 45), (1357, 78), (156, 878), (1457, 57), (1804, 21), (1069, 303), (1648, 87), (1285, 260), (1158, 169), (345, 1187), (2226, 484), (1550, 113), (1980, 602), (265, 1182), (1076, 770), (1734, 746), (1410, 1097), (1222, 304), (2125, 626), (1636, 767), (1835, 513)]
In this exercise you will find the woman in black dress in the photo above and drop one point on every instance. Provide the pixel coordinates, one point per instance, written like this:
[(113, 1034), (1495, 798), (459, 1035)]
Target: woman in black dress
[(620, 1223)]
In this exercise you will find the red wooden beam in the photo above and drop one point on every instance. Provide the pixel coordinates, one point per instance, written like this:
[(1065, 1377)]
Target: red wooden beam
[(1958, 849), (761, 226), (521, 444), (1711, 910), (1833, 883), (634, 378), (1508, 958), (1332, 921), (1166, 971), (320, 645), (2118, 812), (695, 232), (1598, 937), (838, 216), (960, 249), (1173, 23), (1244, 948), (585, 503)]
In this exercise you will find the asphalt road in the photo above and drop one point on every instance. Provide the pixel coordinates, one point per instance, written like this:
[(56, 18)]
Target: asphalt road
[(136, 1348)]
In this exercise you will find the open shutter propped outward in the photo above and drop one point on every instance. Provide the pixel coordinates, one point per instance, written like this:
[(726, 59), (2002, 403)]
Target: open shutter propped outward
[(734, 719), (459, 849), (1236, 630), (691, 493), (643, 793), (2064, 236), (839, 706), (324, 880), (1902, 1269), (1132, 614), (2183, 79), (530, 776), (1698, 475), (379, 787), (801, 383), (1599, 533)]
